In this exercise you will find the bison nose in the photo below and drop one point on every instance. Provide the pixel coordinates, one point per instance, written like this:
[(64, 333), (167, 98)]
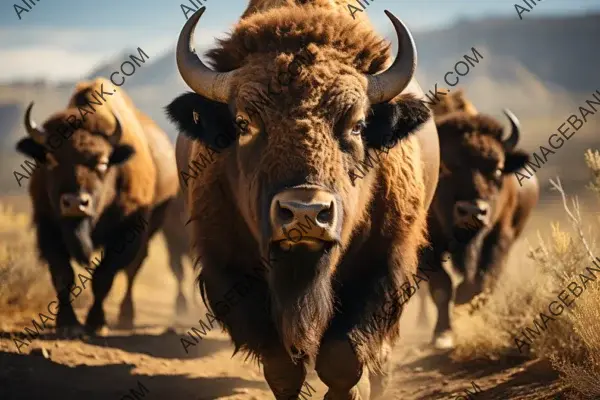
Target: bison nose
[(304, 215), (471, 214), (75, 204)]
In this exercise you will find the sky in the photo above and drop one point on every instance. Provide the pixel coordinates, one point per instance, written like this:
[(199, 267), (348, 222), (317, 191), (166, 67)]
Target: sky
[(66, 39)]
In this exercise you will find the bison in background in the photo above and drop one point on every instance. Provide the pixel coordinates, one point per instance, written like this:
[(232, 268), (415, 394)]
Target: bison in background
[(341, 142), (452, 102), (479, 208), (105, 181)]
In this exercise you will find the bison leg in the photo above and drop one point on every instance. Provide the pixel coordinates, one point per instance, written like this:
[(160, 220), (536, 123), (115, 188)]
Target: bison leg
[(283, 376), (440, 287), (63, 278), (101, 284), (381, 379), (125, 248), (181, 306), (423, 319), (177, 243), (126, 312), (494, 255), (176, 253), (340, 369)]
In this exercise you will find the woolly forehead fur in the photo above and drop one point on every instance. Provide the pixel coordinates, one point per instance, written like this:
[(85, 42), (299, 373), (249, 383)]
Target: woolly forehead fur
[(287, 29), (478, 135), (89, 139)]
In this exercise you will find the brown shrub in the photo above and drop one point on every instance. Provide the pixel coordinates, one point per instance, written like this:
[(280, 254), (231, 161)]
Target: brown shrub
[(23, 281)]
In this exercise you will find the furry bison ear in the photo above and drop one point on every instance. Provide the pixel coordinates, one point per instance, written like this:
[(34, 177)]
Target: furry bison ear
[(201, 119), (515, 160), (390, 122), (31, 148), (120, 154)]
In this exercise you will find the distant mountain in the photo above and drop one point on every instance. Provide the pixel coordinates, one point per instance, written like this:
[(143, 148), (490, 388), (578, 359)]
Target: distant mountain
[(156, 69), (559, 51), (9, 117), (112, 65)]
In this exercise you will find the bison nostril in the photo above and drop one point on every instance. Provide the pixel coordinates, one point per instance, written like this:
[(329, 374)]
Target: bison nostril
[(326, 215), (483, 212), (285, 214), (85, 202)]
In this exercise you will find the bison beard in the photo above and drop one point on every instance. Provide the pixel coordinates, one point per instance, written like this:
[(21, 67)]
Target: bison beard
[(77, 236), (302, 299)]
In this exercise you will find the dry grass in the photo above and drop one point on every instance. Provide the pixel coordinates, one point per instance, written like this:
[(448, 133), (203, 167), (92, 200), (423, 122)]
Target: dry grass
[(24, 282), (571, 341), (592, 160)]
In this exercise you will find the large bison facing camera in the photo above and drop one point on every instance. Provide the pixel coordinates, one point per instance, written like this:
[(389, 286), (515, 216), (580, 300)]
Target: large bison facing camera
[(342, 144)]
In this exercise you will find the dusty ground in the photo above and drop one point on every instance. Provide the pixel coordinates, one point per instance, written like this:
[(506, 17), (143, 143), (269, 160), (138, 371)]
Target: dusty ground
[(109, 367)]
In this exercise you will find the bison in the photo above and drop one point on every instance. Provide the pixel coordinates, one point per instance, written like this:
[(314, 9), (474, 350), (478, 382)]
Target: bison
[(311, 127), (307, 125), (107, 177), (478, 210), (448, 103)]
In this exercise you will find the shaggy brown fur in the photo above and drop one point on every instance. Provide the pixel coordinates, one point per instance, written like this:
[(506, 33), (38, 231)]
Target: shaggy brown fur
[(475, 166), (449, 103), (308, 308), (337, 5), (138, 185)]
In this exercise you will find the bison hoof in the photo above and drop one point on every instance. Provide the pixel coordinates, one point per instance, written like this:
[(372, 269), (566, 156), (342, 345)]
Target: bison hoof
[(444, 340), (125, 323), (70, 332), (95, 320), (181, 307)]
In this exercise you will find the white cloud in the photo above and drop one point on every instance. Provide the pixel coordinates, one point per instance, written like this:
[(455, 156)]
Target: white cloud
[(46, 62), (58, 54)]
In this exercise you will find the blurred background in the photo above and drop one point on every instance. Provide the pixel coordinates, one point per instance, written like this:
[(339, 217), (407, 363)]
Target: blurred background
[(542, 67)]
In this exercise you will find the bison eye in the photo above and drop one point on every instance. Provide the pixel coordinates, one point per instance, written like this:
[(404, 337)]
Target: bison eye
[(358, 127), (102, 167), (242, 124)]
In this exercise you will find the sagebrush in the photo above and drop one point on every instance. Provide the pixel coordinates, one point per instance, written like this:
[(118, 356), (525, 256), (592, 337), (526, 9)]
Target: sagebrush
[(23, 280)]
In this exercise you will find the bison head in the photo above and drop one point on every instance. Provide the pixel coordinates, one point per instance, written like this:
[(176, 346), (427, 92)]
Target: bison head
[(77, 166), (475, 164), (299, 121)]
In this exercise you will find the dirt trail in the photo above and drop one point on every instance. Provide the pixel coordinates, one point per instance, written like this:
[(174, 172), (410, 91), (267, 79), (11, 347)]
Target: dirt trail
[(152, 355)]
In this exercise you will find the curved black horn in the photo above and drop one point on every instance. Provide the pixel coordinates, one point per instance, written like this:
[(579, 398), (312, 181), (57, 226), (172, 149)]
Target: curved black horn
[(115, 137), (515, 132), (201, 79), (37, 133), (390, 83)]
